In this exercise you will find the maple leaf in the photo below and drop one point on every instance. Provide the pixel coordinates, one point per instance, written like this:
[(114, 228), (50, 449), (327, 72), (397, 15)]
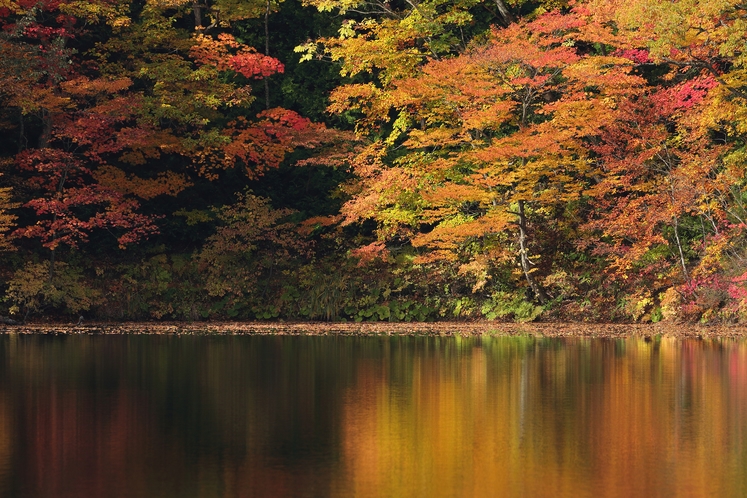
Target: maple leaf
[(66, 188)]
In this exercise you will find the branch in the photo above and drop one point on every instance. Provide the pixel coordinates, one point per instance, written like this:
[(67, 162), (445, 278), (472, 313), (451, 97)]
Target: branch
[(703, 64)]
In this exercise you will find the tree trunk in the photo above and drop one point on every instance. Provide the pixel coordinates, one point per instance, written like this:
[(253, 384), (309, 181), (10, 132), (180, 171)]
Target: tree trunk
[(267, 51), (526, 264), (505, 13), (22, 142), (679, 248), (51, 265), (44, 138), (676, 226), (52, 256), (197, 10), (46, 133)]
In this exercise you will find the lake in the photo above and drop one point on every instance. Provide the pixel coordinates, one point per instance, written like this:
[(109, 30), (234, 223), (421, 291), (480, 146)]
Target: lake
[(377, 416)]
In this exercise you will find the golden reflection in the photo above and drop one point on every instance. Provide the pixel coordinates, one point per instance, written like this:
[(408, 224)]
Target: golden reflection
[(593, 418), (373, 417)]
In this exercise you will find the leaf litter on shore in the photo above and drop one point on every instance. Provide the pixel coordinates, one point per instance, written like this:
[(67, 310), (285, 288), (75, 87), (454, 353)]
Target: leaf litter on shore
[(478, 328)]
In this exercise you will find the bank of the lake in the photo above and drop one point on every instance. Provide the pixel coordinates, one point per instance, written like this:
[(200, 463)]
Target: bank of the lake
[(475, 328)]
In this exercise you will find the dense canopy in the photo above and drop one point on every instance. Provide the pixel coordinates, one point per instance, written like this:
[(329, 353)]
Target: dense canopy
[(373, 160)]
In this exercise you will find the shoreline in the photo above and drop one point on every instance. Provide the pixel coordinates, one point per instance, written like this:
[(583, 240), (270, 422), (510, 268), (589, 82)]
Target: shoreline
[(464, 329)]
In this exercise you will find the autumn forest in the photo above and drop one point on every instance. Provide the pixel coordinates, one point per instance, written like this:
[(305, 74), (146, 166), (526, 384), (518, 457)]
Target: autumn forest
[(403, 160)]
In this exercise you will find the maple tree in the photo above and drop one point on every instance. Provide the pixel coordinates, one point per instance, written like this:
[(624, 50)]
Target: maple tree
[(658, 172), (682, 149), (64, 177), (166, 92), (493, 137), (37, 68)]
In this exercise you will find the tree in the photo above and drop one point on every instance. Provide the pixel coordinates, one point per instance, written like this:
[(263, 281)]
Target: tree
[(688, 136), (36, 73), (656, 207), (486, 141), (6, 219), (252, 243), (121, 105), (73, 205), (147, 93)]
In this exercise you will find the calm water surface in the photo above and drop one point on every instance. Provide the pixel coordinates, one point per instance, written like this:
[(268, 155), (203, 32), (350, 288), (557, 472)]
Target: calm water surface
[(140, 416)]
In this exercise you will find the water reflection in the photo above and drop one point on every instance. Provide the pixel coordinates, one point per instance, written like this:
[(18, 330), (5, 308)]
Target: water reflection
[(379, 416)]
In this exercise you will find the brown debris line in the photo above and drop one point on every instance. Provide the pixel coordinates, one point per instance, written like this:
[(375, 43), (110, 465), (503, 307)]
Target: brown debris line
[(386, 328)]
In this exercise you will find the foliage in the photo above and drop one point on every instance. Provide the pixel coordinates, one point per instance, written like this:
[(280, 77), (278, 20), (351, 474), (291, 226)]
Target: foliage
[(31, 290), (502, 304), (501, 160), (6, 219), (252, 241), (487, 142)]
